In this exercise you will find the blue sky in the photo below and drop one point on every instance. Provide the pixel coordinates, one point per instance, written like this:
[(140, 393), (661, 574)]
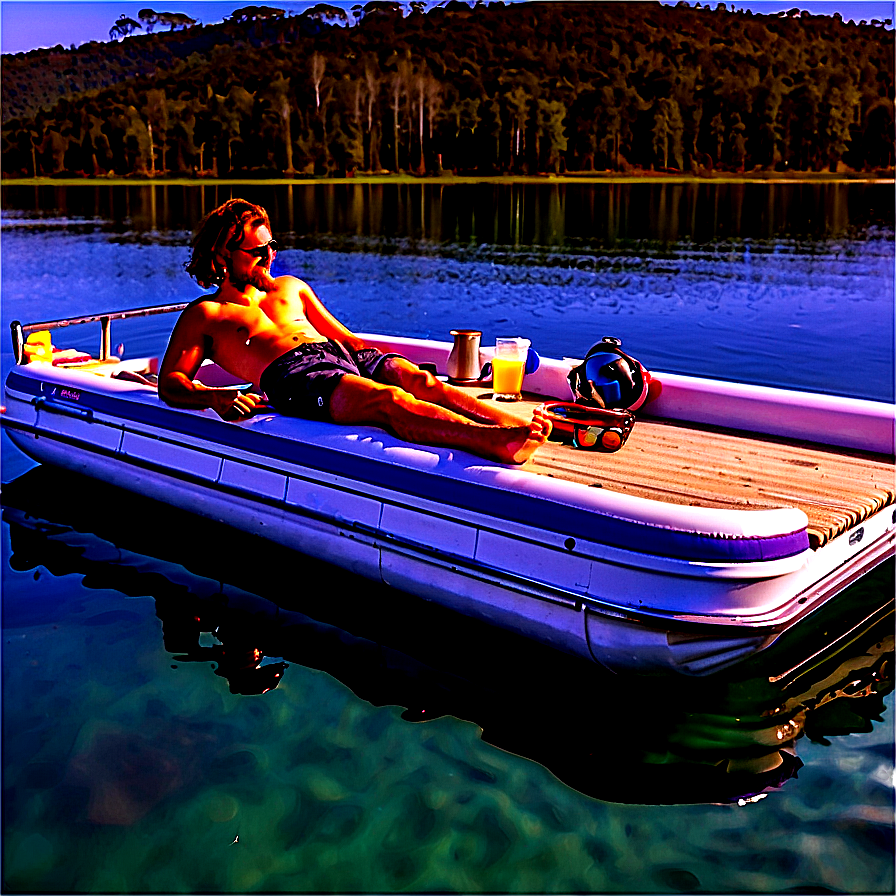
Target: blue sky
[(28, 24)]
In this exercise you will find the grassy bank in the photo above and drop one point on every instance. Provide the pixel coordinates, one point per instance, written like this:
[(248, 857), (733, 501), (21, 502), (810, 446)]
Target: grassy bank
[(590, 178)]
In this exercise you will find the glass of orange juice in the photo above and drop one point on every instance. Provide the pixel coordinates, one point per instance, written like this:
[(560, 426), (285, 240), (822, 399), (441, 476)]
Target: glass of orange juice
[(508, 367)]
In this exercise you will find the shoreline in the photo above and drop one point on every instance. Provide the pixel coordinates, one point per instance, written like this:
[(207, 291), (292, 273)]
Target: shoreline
[(448, 179)]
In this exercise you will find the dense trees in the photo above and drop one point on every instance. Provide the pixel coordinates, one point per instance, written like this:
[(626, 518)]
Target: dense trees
[(123, 27), (523, 88), (151, 18)]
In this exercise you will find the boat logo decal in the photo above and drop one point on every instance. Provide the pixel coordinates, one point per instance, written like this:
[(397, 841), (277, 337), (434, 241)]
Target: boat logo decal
[(62, 392)]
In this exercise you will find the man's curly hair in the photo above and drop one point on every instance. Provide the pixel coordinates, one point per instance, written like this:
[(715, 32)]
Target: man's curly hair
[(218, 230)]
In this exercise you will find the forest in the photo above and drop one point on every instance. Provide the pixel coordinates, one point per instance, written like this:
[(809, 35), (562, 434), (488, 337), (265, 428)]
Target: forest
[(486, 89)]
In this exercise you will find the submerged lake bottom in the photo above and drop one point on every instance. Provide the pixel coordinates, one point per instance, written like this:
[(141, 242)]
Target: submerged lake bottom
[(187, 709), (175, 724)]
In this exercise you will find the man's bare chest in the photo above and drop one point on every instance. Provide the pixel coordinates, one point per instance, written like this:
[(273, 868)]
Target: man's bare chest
[(255, 321)]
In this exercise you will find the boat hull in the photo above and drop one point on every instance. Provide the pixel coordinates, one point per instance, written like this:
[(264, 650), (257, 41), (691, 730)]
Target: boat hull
[(630, 583)]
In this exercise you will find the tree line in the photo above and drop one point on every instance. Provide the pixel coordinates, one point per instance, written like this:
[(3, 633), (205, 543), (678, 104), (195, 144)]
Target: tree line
[(492, 89)]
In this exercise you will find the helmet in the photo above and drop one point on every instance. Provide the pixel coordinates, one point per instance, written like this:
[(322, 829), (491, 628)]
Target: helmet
[(609, 378)]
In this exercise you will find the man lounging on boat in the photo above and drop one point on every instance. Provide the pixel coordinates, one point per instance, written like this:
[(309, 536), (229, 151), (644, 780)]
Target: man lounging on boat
[(277, 334)]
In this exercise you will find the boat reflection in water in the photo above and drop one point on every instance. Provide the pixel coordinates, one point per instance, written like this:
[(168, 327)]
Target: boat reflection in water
[(728, 738)]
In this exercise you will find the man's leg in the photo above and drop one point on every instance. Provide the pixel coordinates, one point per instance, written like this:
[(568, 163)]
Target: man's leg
[(408, 376), (360, 400)]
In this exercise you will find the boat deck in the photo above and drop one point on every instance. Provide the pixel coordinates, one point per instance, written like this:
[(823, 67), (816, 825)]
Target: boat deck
[(681, 463), (699, 465)]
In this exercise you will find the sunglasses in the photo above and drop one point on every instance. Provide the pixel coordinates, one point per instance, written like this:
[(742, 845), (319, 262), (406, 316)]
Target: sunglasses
[(593, 428), (261, 251), (600, 437)]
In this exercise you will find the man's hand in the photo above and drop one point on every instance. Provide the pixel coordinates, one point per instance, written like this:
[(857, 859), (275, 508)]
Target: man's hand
[(233, 406)]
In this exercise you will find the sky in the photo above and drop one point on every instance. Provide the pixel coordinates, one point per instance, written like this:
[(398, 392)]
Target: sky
[(29, 24)]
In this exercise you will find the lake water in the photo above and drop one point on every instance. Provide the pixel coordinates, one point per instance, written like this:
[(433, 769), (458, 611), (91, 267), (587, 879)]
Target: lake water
[(403, 748)]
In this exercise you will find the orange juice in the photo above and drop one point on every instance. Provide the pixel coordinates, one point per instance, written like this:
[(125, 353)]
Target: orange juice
[(507, 377)]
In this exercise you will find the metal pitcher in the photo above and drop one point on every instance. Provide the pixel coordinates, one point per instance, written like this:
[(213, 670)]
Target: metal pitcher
[(464, 362)]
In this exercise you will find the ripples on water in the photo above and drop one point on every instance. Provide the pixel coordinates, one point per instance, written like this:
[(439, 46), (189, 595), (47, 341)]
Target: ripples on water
[(773, 313)]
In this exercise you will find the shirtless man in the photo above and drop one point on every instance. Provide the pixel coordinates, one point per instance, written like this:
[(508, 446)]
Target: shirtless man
[(276, 334)]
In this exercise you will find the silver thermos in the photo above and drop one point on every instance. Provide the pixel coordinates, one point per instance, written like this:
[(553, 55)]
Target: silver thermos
[(464, 363)]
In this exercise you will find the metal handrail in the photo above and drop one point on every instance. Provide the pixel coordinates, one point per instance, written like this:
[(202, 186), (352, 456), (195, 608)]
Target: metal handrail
[(18, 329)]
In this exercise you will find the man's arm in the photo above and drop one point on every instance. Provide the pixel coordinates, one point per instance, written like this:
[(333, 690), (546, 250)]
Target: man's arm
[(183, 357), (324, 322)]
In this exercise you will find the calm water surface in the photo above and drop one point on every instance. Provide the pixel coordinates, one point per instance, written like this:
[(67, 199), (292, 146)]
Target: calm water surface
[(402, 748)]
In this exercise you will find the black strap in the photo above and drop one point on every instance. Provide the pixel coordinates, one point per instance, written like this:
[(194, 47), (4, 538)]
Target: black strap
[(602, 346)]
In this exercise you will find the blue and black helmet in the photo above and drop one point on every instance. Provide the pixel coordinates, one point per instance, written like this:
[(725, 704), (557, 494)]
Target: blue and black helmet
[(609, 378)]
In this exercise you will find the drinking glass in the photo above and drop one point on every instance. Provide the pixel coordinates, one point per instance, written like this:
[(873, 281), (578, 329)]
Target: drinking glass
[(508, 367)]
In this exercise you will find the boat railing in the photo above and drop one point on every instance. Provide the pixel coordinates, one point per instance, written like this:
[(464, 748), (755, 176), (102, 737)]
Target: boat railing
[(20, 331)]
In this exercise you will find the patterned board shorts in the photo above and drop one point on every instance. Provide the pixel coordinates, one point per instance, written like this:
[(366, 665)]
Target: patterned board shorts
[(300, 383)]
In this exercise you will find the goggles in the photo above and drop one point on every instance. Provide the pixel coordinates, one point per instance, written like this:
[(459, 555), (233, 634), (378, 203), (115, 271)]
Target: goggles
[(261, 251), (596, 429)]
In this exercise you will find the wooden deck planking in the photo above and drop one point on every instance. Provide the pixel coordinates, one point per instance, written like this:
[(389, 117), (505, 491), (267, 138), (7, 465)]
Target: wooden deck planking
[(709, 467)]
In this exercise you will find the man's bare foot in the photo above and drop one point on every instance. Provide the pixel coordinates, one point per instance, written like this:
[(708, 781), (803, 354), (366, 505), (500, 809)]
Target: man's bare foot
[(524, 441), (492, 412)]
